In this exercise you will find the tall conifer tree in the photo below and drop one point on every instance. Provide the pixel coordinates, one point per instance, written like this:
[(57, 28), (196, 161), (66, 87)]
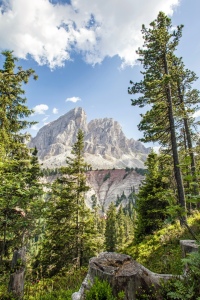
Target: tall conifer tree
[(159, 92), (19, 189), (70, 230), (152, 199), (110, 230)]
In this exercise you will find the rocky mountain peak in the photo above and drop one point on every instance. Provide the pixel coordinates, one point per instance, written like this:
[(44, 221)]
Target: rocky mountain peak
[(106, 146)]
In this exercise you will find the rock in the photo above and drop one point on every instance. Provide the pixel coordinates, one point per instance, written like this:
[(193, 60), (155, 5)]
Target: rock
[(85, 286), (119, 182), (60, 135), (123, 274), (188, 246), (107, 191), (106, 146)]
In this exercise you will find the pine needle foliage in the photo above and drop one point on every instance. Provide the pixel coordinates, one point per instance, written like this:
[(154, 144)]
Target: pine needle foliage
[(70, 230), (165, 90)]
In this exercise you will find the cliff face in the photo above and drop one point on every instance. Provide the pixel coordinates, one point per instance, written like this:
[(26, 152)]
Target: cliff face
[(106, 146), (58, 136), (108, 185)]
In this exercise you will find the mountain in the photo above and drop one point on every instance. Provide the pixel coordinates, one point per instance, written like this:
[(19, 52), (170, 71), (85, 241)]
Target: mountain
[(110, 185), (106, 146)]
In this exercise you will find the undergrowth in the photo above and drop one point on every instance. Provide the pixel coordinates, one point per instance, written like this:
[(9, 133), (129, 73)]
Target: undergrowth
[(101, 290), (161, 252), (59, 287)]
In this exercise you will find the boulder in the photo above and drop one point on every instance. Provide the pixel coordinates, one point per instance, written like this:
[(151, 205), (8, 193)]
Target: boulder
[(188, 246)]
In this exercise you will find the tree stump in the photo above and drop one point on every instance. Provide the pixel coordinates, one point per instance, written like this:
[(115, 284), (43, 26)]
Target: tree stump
[(123, 274)]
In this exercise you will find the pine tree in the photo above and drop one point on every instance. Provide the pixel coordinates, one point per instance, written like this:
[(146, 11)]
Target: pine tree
[(13, 110), (160, 93), (187, 103), (110, 230), (70, 231), (20, 191), (152, 199), (120, 228), (17, 188)]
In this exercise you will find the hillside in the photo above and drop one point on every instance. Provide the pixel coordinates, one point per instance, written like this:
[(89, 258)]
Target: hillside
[(108, 185)]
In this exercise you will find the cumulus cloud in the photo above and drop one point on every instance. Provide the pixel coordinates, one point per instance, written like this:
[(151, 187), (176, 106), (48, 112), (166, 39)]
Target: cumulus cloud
[(55, 110), (96, 29), (156, 149), (73, 99), (196, 114), (44, 119), (40, 109), (35, 127)]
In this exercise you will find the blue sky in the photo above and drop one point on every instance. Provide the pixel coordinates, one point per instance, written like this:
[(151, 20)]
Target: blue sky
[(84, 52)]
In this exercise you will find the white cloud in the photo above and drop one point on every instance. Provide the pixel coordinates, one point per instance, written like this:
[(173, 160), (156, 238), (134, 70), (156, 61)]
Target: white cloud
[(35, 127), (95, 29), (55, 110), (44, 119), (156, 149), (196, 114), (40, 109), (73, 99)]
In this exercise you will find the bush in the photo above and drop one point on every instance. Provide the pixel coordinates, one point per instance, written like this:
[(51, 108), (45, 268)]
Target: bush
[(101, 290), (187, 287), (59, 287)]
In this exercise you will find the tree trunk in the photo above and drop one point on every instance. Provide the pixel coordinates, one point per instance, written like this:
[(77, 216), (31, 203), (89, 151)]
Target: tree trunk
[(177, 171), (16, 283), (189, 142)]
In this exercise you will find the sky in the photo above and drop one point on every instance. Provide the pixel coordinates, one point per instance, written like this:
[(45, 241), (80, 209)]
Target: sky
[(84, 53)]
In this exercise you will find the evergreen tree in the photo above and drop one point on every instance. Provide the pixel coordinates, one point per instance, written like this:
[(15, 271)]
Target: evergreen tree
[(70, 230), (158, 91), (152, 199), (16, 186), (187, 104), (20, 191), (13, 110), (110, 230), (120, 228)]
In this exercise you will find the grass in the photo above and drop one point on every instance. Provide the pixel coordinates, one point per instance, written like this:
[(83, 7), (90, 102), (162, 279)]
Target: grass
[(161, 252), (58, 287)]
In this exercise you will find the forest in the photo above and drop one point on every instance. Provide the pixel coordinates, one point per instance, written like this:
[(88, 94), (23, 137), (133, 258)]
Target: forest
[(48, 235)]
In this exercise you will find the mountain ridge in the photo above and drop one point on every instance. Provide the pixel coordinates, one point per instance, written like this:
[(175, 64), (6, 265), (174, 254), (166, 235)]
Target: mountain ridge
[(106, 146)]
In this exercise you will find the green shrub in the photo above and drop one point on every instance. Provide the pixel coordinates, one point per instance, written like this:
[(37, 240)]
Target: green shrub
[(152, 294), (59, 287), (161, 252), (185, 287), (101, 290)]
